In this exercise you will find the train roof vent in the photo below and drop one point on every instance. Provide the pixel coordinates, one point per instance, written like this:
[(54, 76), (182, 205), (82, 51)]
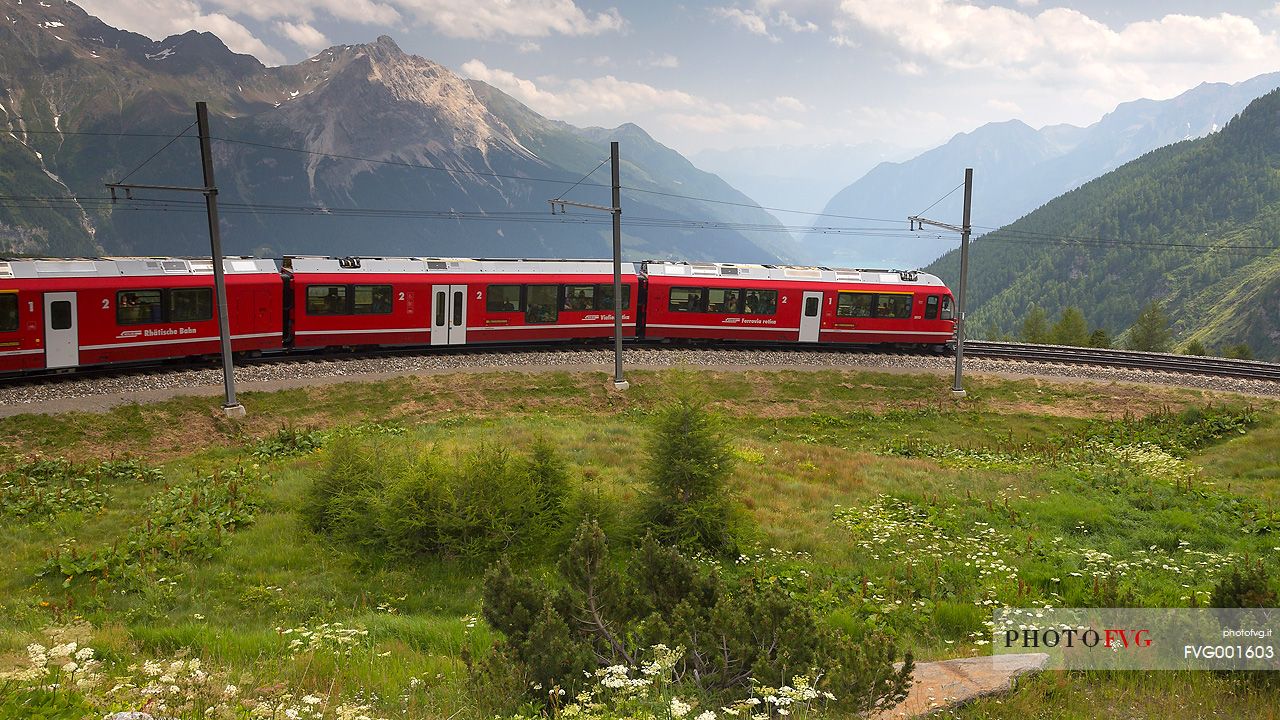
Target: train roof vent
[(850, 276), (202, 266), (437, 265), (349, 262), (175, 266), (728, 270), (802, 272), (69, 267), (704, 268), (6, 270), (908, 275)]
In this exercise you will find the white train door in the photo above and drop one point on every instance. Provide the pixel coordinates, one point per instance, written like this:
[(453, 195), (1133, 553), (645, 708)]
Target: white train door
[(810, 317), (448, 314), (61, 338)]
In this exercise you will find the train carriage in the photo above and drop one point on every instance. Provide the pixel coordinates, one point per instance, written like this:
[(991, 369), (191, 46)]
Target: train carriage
[(720, 301), (64, 313), (348, 302)]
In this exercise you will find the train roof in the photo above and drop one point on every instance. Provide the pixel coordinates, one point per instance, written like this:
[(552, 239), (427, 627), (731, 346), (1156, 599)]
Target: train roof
[(461, 266), (791, 272), (37, 268)]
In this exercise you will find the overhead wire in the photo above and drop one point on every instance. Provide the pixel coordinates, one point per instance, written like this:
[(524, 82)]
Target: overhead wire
[(153, 155), (944, 197), (584, 177)]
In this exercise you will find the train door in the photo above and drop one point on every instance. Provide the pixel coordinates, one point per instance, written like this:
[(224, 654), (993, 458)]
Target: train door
[(448, 314), (61, 338), (810, 317)]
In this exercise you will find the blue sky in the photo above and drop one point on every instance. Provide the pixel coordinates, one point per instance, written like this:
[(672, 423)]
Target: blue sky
[(774, 72)]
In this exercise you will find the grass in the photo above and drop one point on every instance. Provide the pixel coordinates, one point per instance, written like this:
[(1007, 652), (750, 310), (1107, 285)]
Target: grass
[(864, 489)]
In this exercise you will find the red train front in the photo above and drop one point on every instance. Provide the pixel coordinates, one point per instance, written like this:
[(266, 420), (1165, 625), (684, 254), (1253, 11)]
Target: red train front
[(720, 301), (69, 313)]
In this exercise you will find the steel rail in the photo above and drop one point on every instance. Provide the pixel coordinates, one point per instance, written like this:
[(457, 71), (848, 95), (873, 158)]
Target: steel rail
[(1057, 354), (1130, 359)]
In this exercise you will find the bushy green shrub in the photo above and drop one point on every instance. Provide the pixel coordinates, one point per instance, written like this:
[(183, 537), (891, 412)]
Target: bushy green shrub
[(688, 468), (729, 634), (404, 502), (1246, 585)]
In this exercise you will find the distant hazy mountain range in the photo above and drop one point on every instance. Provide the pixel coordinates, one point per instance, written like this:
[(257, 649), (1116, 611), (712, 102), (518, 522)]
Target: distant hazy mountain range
[(74, 93), (1195, 226), (1016, 169), (796, 177)]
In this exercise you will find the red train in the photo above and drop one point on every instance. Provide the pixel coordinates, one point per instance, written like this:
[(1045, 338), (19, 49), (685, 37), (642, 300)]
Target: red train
[(65, 313)]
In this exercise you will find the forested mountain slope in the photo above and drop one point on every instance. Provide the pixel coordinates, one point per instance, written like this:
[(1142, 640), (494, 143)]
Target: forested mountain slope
[(1195, 225)]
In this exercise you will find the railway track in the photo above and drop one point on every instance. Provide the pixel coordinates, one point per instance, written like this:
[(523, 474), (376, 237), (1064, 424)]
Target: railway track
[(1056, 354), (1130, 359)]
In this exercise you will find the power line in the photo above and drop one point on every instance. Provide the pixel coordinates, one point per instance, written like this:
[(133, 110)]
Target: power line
[(518, 216), (157, 152), (761, 207), (85, 133), (584, 177), (944, 197), (399, 163)]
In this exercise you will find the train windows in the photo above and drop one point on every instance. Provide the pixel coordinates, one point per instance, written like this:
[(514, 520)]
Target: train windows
[(723, 300), (60, 315), (931, 308), (326, 299), (190, 304), (579, 297), (853, 304), (946, 308), (458, 307), (604, 297), (8, 312), (134, 307), (811, 307), (440, 309), (504, 298), (893, 306), (685, 299), (371, 299), (760, 302), (542, 304)]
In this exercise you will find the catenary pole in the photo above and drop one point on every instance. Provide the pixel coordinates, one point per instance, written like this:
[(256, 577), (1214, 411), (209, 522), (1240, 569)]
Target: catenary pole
[(958, 388), (618, 381), (230, 406)]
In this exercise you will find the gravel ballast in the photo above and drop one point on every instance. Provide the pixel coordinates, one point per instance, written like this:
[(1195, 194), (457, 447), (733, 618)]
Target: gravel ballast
[(102, 392)]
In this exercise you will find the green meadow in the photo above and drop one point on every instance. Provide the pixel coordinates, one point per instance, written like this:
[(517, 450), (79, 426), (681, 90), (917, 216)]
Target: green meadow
[(172, 542)]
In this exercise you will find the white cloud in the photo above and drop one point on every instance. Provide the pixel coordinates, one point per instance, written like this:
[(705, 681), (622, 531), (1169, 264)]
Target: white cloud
[(579, 97), (668, 61), (1068, 50), (764, 20), (454, 18), (786, 21), (518, 18), (362, 11), (786, 102), (529, 46), (1007, 107), (304, 36), (158, 19), (729, 122), (745, 19)]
